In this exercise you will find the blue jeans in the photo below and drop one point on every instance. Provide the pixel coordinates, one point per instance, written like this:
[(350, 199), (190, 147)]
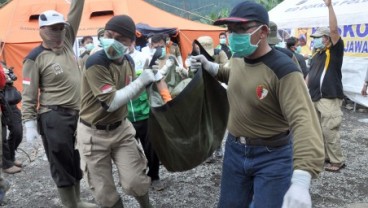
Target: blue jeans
[(255, 173)]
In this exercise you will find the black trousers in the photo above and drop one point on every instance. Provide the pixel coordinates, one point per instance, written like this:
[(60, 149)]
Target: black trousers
[(11, 143), (58, 130), (141, 128)]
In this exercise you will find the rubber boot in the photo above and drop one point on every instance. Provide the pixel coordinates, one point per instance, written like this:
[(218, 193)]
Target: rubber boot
[(118, 204), (80, 203), (144, 201), (67, 196)]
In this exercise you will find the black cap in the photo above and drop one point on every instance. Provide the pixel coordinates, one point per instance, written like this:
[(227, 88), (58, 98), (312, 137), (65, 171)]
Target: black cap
[(246, 11), (123, 25)]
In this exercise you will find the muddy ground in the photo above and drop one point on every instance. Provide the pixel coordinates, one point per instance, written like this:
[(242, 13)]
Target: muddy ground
[(199, 187)]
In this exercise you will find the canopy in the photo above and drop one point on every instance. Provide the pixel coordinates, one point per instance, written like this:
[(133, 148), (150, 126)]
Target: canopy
[(307, 13), (304, 16), (19, 24)]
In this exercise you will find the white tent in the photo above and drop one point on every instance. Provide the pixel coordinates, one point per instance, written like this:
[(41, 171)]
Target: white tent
[(352, 18), (313, 13)]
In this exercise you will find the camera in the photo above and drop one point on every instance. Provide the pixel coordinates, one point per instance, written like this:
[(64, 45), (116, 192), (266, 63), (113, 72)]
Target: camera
[(11, 74)]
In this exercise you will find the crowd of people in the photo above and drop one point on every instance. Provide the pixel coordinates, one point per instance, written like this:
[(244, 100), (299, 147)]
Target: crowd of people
[(94, 112)]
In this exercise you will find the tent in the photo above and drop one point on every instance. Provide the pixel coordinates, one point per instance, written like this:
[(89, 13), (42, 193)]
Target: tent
[(306, 15), (19, 24)]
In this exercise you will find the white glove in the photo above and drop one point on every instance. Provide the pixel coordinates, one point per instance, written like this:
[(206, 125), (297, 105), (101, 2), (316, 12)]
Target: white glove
[(298, 193), (169, 63), (158, 76), (187, 62), (31, 130), (211, 67), (124, 95), (147, 77)]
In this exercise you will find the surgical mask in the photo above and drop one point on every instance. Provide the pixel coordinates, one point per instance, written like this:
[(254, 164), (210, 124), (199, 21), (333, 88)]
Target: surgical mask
[(163, 52), (113, 48), (89, 47), (241, 45), (222, 40), (298, 49), (317, 43), (281, 44)]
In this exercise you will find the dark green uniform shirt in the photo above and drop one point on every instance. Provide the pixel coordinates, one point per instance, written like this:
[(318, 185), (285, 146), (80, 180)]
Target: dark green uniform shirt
[(268, 96)]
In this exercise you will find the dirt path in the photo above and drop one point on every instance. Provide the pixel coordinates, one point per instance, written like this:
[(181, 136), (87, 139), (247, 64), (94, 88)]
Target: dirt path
[(199, 188)]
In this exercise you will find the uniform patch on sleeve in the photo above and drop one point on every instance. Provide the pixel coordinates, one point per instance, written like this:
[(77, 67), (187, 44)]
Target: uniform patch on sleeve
[(106, 88), (261, 92), (26, 81)]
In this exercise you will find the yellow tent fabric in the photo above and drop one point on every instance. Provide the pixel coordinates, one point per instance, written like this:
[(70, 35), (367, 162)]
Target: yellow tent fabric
[(19, 32)]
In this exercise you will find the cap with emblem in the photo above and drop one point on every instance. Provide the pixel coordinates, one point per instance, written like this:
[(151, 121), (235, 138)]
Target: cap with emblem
[(51, 17), (272, 38), (321, 31), (246, 11), (207, 44), (123, 25)]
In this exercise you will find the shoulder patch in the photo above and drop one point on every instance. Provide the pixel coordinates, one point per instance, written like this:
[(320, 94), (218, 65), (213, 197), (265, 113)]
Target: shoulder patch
[(34, 53), (98, 58), (280, 63)]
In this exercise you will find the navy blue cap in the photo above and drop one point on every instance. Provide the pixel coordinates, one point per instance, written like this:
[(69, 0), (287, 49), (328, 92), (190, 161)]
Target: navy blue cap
[(246, 11)]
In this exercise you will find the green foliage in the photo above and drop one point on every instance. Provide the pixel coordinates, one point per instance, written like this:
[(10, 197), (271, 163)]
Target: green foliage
[(205, 11), (3, 2)]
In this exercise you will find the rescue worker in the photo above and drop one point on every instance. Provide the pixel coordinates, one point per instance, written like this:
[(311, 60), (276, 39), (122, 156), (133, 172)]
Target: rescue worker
[(270, 113), (104, 133), (51, 98), (173, 49), (86, 48)]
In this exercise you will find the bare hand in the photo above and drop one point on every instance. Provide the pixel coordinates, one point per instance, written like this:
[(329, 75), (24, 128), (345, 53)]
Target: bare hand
[(327, 2)]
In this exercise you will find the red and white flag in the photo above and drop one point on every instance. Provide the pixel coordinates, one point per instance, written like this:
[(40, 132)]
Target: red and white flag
[(26, 81), (106, 88)]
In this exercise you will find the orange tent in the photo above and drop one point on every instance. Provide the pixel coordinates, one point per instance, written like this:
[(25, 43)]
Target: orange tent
[(19, 24)]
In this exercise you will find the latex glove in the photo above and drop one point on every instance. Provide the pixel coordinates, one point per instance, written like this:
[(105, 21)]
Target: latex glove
[(298, 194), (169, 63), (31, 130), (210, 67), (187, 62), (147, 77), (124, 95), (158, 76)]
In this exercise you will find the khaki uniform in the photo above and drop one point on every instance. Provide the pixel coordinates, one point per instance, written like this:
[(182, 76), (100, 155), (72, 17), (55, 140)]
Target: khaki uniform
[(221, 57), (51, 94), (106, 137), (173, 49)]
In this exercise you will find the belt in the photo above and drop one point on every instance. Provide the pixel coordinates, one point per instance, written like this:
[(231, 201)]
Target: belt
[(275, 141), (108, 127), (62, 109)]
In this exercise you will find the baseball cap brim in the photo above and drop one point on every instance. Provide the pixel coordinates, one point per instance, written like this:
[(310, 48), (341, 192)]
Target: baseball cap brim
[(54, 23), (317, 34), (227, 20)]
